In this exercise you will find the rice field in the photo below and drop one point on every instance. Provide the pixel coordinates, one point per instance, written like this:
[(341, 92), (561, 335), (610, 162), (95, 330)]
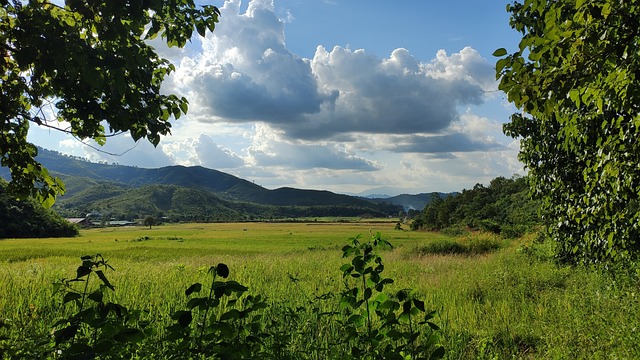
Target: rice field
[(506, 299)]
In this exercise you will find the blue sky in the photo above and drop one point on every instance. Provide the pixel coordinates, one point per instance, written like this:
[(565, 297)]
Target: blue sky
[(348, 96)]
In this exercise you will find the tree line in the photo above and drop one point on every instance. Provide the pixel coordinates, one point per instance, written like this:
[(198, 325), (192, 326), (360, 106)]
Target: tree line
[(504, 207)]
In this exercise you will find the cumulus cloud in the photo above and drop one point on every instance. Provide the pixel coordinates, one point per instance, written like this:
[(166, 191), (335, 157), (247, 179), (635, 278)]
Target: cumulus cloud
[(122, 150), (202, 151), (246, 74), (270, 150)]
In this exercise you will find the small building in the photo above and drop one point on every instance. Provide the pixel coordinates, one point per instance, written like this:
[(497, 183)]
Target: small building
[(80, 221), (121, 223)]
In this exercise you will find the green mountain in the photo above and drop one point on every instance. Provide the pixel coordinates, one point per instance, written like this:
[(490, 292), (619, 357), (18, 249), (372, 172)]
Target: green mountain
[(189, 194), (194, 176)]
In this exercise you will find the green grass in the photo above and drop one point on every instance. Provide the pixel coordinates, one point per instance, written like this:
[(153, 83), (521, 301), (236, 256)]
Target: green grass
[(496, 301)]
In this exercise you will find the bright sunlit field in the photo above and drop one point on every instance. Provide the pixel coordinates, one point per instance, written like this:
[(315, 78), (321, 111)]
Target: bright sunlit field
[(509, 301)]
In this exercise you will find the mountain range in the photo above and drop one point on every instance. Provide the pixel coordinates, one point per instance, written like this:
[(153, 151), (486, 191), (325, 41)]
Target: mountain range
[(196, 193)]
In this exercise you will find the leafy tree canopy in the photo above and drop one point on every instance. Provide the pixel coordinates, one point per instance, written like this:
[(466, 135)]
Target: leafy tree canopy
[(504, 207), (29, 219), (87, 64), (575, 82)]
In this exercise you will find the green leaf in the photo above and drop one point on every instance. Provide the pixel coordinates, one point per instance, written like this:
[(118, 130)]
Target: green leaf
[(437, 354), (96, 296), (70, 296), (574, 95), (104, 279), (500, 65), (65, 334), (197, 302), (48, 201), (222, 270), (367, 293), (82, 271), (201, 28), (184, 318), (433, 326), (129, 335), (231, 314), (193, 288), (500, 52)]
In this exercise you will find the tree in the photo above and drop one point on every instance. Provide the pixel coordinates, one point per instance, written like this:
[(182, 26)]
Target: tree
[(149, 221), (575, 81), (87, 64), (29, 219)]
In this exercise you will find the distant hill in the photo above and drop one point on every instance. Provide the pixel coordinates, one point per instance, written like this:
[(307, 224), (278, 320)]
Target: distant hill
[(410, 202), (194, 176), (189, 194)]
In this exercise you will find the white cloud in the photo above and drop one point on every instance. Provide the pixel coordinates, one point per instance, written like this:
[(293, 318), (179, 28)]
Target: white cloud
[(467, 66), (202, 151), (123, 150), (270, 150), (246, 74)]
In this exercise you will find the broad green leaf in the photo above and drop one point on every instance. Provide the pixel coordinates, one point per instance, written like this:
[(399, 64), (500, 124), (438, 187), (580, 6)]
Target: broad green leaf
[(129, 335), (104, 279), (500, 52), (65, 334), (96, 296), (193, 288), (71, 296), (83, 271)]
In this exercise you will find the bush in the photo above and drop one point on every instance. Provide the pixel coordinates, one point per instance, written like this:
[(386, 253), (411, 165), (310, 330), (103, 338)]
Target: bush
[(476, 246)]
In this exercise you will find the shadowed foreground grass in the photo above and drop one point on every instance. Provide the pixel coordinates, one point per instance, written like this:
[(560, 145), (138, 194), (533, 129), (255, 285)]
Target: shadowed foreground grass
[(495, 298)]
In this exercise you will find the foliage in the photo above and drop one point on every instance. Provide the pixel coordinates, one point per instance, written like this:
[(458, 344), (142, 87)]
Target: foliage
[(149, 221), (86, 63), (504, 207), (98, 327), (366, 304), (29, 219), (574, 82), (227, 327), (476, 245)]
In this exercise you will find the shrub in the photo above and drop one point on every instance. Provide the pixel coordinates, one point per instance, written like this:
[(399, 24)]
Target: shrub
[(473, 246)]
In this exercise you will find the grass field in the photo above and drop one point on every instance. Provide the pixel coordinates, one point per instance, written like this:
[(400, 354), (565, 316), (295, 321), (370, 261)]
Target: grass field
[(494, 298)]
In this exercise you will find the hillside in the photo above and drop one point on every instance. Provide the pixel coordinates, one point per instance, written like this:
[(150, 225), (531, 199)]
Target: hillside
[(189, 194), (177, 203), (194, 176)]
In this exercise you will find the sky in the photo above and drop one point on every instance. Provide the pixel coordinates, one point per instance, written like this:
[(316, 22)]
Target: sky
[(351, 96)]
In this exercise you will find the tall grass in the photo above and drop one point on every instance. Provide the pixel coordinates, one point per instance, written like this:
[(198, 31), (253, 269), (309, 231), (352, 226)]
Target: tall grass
[(494, 300)]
